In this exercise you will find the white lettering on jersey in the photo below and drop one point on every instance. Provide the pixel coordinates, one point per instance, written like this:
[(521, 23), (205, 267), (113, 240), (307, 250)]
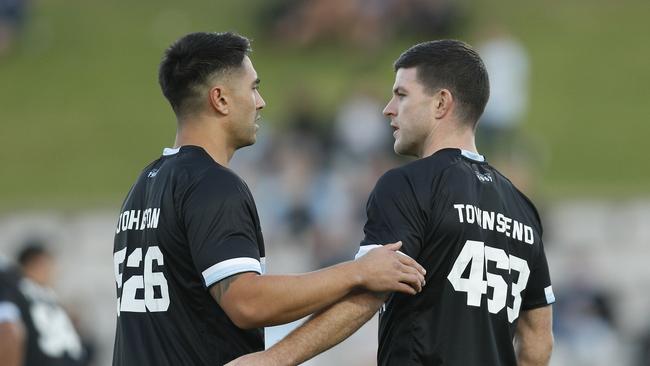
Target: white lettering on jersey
[(138, 220), (476, 255), (146, 281), (486, 220)]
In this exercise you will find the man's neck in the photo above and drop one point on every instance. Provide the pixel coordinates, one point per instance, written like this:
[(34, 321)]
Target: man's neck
[(461, 139), (206, 135)]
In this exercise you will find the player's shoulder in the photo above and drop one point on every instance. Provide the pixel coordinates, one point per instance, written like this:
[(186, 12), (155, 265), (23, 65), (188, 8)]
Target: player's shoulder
[(195, 166), (423, 170), (521, 196)]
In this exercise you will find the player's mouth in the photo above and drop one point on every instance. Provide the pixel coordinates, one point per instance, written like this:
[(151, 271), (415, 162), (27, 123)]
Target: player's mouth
[(395, 130)]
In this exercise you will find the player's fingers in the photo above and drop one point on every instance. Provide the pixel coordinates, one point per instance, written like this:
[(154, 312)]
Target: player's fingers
[(405, 259), (393, 246), (415, 273), (412, 280), (404, 288)]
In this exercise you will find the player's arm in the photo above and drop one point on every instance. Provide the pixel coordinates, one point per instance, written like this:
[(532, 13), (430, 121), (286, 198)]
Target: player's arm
[(12, 335), (320, 333), (253, 300), (534, 337)]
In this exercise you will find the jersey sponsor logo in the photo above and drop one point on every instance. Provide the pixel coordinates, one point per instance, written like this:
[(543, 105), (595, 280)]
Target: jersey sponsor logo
[(495, 221), (476, 255), (138, 220), (152, 173), (483, 177), (146, 281)]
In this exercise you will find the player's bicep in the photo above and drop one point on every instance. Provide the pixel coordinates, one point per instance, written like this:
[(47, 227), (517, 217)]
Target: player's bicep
[(393, 214), (535, 323), (222, 230), (539, 291), (219, 289), (534, 336)]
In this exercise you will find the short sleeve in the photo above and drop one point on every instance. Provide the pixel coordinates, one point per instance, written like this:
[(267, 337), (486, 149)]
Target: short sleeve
[(222, 227), (539, 291), (393, 214), (9, 311)]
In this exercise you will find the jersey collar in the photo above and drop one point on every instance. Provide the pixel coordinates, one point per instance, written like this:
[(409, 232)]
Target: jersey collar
[(472, 155)]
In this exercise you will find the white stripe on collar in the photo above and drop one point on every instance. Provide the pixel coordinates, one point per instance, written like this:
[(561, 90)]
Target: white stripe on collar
[(169, 151), (472, 155)]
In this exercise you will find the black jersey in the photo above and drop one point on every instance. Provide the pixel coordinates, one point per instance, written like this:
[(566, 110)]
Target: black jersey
[(51, 337), (9, 295), (480, 240), (186, 224)]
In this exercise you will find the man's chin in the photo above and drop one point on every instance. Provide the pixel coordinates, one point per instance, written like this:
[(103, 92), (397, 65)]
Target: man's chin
[(402, 150), (248, 142), (399, 149)]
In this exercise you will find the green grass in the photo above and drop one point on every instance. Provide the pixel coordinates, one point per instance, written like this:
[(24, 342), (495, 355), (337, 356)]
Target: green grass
[(81, 112)]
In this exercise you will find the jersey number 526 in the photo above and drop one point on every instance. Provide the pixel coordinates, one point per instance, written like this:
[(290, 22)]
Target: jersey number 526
[(475, 286), (147, 280)]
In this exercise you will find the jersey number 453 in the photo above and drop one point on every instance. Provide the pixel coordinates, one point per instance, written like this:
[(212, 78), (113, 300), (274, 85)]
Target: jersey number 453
[(475, 286)]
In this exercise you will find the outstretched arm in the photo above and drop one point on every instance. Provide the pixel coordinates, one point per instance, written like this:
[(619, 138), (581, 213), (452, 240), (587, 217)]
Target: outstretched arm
[(320, 333), (251, 300)]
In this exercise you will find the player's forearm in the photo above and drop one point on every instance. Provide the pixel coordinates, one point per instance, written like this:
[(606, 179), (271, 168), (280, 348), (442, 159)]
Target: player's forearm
[(534, 352), (12, 340), (325, 329), (276, 299)]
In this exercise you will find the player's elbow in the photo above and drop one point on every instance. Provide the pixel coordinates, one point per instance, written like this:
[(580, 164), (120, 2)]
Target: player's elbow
[(245, 316), (545, 343)]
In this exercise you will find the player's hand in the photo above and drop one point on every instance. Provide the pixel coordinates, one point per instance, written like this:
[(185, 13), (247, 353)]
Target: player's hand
[(383, 269), (254, 359)]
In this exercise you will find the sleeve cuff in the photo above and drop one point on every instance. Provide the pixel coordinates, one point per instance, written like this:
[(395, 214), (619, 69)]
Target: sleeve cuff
[(9, 312), (231, 267), (364, 249), (549, 298)]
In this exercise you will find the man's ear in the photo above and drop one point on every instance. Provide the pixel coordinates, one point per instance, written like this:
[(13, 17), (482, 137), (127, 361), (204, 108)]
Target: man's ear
[(443, 103), (219, 99)]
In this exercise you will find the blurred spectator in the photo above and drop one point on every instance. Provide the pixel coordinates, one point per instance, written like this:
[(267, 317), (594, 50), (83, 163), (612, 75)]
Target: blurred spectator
[(12, 331), (508, 68), (51, 337), (364, 23), (584, 327), (12, 18), (361, 129), (644, 350)]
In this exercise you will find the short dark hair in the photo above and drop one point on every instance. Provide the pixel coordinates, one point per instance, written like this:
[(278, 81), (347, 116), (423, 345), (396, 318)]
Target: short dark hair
[(32, 249), (190, 61), (452, 65)]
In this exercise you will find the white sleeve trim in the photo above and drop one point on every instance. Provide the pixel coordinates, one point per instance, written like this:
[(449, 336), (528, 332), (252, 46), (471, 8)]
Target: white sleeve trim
[(9, 312), (230, 267), (364, 249), (550, 296)]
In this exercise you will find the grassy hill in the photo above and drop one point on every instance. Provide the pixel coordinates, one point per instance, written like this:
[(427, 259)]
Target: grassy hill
[(81, 112)]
